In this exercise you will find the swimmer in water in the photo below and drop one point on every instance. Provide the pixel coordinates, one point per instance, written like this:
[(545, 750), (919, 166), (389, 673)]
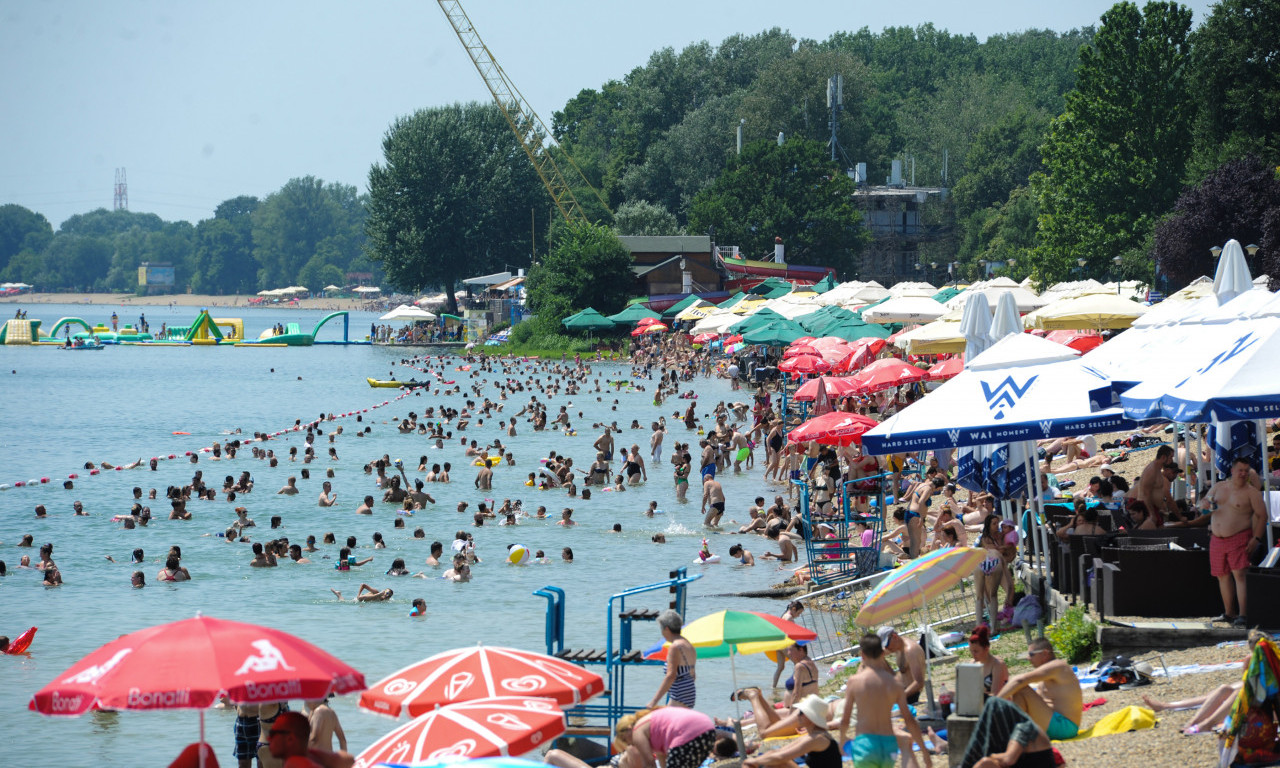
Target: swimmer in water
[(368, 594)]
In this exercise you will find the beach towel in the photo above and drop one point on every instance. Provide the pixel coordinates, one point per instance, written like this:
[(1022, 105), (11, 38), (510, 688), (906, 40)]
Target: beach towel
[(1131, 718), (1249, 734)]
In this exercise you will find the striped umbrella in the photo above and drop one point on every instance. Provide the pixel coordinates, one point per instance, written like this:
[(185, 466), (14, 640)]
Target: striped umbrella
[(913, 585)]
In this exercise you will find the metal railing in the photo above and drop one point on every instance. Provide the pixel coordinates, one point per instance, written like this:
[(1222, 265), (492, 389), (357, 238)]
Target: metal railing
[(831, 614)]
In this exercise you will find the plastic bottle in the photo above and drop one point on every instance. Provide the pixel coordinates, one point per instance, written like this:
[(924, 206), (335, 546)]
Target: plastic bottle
[(944, 701)]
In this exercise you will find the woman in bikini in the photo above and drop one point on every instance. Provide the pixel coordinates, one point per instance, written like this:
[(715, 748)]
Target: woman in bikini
[(995, 673)]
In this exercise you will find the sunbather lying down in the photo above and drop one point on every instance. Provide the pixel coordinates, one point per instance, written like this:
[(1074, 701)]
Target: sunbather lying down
[(1211, 708)]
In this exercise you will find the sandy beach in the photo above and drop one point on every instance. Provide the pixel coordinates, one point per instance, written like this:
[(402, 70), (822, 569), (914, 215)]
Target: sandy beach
[(186, 300)]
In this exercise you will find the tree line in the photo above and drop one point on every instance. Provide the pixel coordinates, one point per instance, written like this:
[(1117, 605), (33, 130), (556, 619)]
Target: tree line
[(308, 233)]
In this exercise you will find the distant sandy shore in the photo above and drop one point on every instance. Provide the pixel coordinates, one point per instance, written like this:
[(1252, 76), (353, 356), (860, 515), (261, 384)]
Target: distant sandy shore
[(184, 300)]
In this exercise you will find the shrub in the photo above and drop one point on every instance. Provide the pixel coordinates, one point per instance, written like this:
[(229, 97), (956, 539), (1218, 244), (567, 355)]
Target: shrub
[(1074, 635)]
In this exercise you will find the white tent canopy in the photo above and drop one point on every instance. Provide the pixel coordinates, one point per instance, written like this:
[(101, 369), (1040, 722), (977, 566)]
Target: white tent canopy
[(905, 309), (406, 312), (367, 289)]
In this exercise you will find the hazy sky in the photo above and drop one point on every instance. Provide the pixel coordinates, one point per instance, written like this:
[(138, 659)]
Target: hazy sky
[(203, 101)]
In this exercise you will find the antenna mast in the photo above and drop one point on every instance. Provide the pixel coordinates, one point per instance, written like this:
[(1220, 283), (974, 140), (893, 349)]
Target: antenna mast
[(121, 200)]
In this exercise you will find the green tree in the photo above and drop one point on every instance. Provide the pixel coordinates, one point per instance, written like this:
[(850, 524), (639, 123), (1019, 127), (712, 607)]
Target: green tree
[(305, 218), (21, 229), (1237, 83), (791, 191), (224, 260), (587, 266), (640, 217), (452, 198), (1114, 158)]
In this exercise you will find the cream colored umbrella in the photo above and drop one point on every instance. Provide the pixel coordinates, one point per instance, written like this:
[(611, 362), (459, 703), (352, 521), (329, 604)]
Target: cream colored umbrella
[(936, 338), (1096, 311)]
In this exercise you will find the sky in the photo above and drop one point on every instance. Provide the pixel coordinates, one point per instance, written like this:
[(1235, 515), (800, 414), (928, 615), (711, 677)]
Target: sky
[(200, 102)]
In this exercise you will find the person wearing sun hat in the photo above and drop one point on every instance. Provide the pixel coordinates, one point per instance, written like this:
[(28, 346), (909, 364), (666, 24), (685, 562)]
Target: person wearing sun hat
[(816, 746)]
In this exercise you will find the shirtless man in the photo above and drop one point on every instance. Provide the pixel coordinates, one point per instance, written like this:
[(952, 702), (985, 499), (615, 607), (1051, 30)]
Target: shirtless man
[(1056, 707), (327, 495), (484, 477), (874, 690), (1152, 487), (910, 661), (604, 444), (324, 726), (655, 442), (290, 487), (739, 447), (1237, 518), (713, 496), (366, 507)]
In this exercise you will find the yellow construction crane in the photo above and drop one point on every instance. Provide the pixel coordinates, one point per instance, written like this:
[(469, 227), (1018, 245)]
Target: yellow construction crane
[(525, 123)]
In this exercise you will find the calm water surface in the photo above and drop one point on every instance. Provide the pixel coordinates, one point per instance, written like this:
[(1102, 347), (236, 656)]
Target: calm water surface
[(61, 409)]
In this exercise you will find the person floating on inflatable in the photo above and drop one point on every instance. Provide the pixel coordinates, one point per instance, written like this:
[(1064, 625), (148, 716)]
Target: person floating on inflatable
[(19, 644), (705, 556)]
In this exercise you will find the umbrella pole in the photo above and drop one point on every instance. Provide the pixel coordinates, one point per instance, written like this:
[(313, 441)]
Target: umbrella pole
[(1266, 479), (200, 746), (928, 668)]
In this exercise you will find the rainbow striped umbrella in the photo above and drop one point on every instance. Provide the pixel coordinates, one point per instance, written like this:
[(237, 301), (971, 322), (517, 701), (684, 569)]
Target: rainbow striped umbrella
[(913, 585)]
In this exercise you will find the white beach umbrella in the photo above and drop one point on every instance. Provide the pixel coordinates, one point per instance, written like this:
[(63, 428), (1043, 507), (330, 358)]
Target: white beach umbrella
[(975, 326), (1232, 277), (1006, 320), (905, 309)]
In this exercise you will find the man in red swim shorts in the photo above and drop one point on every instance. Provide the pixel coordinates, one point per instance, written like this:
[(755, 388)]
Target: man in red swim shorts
[(1237, 520)]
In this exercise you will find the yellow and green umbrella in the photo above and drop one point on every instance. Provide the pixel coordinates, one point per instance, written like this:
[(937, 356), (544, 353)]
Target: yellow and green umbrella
[(734, 633)]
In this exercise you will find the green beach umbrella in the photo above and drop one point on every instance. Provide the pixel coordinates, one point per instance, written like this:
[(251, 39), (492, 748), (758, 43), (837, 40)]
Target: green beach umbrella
[(681, 305), (947, 294), (634, 314), (588, 320), (732, 300), (849, 330), (770, 287), (814, 322), (778, 333), (825, 284), (756, 320)]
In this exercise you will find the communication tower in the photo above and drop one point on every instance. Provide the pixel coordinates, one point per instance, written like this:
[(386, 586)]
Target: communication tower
[(121, 201)]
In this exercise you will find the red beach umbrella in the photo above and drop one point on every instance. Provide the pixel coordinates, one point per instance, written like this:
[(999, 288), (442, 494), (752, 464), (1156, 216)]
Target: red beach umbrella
[(945, 369), (479, 672), (835, 428), (189, 664), (805, 364), (799, 349), (837, 386), (882, 374), (734, 339), (1080, 341), (646, 321), (804, 340), (503, 726), (703, 338)]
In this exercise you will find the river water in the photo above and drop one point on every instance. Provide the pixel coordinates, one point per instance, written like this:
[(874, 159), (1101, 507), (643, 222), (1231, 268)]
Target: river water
[(61, 409)]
